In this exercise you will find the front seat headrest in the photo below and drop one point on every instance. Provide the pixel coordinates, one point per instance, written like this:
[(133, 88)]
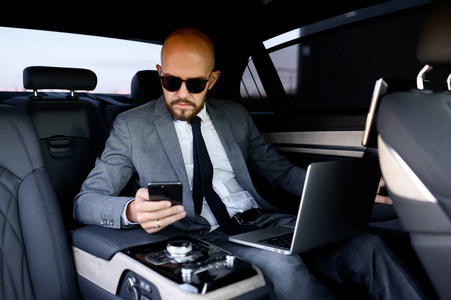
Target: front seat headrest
[(434, 42), (145, 86), (37, 78)]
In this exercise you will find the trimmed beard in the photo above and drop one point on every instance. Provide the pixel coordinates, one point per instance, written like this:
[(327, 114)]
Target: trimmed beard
[(184, 115)]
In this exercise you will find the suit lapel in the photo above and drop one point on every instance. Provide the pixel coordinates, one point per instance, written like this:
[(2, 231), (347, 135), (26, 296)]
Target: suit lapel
[(164, 125)]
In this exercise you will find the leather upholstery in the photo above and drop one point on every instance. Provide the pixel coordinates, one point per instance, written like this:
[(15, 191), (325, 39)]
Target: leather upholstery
[(418, 126), (36, 78), (145, 86), (415, 155), (36, 258), (71, 129)]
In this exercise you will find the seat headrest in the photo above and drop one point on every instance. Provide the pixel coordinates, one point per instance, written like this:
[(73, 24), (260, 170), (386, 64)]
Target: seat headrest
[(36, 78), (434, 42), (145, 86)]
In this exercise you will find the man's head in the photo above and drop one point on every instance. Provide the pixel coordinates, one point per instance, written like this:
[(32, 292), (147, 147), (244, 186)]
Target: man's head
[(187, 54)]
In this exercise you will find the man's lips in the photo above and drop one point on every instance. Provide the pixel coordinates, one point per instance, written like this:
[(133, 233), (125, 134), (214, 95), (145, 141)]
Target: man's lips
[(184, 104)]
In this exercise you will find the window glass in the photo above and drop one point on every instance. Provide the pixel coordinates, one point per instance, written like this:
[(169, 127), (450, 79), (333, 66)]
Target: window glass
[(327, 65), (286, 61), (114, 61), (339, 70), (252, 91)]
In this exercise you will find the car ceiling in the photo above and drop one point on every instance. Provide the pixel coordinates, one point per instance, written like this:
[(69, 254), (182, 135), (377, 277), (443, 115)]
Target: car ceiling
[(154, 20)]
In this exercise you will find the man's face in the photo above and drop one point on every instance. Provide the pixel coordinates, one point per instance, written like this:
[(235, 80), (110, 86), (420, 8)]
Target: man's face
[(184, 104)]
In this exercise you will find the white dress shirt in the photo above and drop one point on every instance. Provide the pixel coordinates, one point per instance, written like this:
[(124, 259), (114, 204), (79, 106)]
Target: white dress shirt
[(235, 198)]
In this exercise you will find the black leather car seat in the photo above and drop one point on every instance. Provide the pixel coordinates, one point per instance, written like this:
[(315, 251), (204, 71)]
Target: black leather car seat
[(415, 154), (71, 128), (145, 86), (36, 261)]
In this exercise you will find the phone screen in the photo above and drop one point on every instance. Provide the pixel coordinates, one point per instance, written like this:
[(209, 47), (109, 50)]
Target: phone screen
[(171, 191)]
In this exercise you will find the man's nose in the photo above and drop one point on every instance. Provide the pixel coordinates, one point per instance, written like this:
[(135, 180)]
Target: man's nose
[(183, 91)]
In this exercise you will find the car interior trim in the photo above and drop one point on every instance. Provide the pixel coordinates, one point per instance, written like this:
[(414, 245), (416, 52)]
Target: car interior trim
[(325, 152), (107, 275), (333, 139), (448, 82), (400, 178), (421, 76)]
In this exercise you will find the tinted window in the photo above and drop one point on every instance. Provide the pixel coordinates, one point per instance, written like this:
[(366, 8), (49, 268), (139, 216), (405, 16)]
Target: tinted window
[(252, 91), (338, 70), (336, 67)]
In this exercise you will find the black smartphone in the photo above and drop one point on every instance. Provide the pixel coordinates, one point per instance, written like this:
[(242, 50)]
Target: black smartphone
[(171, 191)]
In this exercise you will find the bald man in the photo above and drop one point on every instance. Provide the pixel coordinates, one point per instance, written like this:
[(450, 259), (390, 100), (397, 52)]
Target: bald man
[(154, 143)]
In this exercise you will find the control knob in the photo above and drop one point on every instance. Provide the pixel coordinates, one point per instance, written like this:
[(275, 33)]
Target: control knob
[(179, 248)]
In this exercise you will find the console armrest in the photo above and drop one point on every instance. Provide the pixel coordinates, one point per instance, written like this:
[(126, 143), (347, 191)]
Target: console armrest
[(105, 242), (107, 268)]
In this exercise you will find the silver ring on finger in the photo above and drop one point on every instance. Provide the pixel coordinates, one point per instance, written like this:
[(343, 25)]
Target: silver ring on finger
[(158, 223)]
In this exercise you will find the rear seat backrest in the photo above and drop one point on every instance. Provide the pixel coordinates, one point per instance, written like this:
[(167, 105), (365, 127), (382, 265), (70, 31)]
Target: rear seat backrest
[(145, 87), (415, 153), (36, 261), (71, 129)]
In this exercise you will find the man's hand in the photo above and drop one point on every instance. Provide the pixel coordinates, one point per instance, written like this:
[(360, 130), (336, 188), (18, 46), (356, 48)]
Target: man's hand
[(153, 215), (380, 198)]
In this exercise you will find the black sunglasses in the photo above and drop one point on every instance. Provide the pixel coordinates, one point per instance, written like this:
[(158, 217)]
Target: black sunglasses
[(193, 85)]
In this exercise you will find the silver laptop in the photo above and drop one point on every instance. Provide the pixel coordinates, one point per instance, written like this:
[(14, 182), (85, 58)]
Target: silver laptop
[(336, 204)]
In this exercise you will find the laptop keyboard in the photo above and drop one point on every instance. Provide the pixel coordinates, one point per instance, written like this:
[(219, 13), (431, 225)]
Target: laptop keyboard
[(283, 241)]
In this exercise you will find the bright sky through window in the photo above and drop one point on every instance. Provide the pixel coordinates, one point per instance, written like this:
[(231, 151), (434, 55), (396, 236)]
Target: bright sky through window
[(114, 61)]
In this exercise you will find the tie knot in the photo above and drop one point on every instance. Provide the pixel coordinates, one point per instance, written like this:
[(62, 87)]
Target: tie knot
[(195, 122)]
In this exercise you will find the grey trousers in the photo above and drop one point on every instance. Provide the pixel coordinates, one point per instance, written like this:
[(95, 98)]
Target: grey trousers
[(364, 260)]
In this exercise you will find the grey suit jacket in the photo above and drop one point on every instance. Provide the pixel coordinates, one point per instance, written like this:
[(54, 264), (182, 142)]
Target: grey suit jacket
[(144, 144)]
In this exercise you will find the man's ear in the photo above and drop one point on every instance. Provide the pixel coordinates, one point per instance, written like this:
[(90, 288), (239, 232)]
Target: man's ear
[(214, 77), (158, 70)]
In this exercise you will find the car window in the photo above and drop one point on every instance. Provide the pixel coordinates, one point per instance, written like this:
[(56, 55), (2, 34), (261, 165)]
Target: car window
[(114, 61), (330, 66), (252, 91)]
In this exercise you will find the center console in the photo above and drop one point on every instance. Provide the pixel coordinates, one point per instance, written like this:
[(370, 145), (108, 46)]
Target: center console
[(131, 264)]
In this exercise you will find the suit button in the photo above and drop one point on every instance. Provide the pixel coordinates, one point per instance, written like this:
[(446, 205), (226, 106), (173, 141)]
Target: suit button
[(110, 222)]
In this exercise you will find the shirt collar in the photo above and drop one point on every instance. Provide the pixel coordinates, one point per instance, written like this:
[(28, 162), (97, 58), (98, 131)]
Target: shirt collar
[(203, 115)]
